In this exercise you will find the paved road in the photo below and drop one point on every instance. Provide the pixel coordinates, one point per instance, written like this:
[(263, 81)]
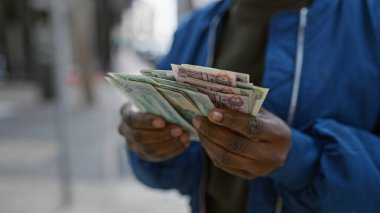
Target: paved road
[(102, 180)]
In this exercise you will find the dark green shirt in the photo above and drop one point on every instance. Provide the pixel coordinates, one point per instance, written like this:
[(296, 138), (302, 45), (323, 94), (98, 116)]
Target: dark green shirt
[(242, 49)]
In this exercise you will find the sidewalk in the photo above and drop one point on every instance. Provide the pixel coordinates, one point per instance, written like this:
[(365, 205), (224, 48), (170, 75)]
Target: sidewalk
[(102, 179), (40, 195)]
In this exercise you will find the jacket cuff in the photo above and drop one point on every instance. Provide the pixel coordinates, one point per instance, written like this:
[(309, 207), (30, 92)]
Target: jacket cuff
[(301, 164), (169, 173)]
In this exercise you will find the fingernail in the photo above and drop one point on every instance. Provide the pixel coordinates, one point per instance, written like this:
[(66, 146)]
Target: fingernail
[(157, 123), (216, 116), (176, 132), (197, 122)]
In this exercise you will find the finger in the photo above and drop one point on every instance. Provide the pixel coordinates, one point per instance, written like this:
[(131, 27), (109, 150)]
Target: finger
[(155, 136), (139, 120), (230, 140), (223, 156), (250, 126), (131, 145), (121, 129), (165, 150), (185, 139), (241, 173), (125, 109), (143, 152), (227, 159), (237, 172)]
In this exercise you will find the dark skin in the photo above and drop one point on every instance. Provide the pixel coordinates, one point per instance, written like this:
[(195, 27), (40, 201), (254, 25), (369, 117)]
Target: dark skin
[(150, 136), (243, 145)]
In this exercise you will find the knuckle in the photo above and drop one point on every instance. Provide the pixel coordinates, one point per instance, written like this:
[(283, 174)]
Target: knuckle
[(137, 119), (129, 119), (154, 137), (137, 136), (208, 130), (124, 129), (254, 126), (148, 137), (228, 119), (224, 158), (216, 163), (236, 144), (125, 111)]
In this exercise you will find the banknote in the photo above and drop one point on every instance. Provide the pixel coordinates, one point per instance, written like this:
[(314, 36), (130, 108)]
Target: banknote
[(174, 83), (240, 77), (228, 101), (143, 79), (148, 100), (180, 103), (121, 77), (201, 101), (187, 91), (254, 105), (164, 74), (260, 93), (152, 80), (216, 76), (260, 96), (209, 85), (244, 85), (221, 89)]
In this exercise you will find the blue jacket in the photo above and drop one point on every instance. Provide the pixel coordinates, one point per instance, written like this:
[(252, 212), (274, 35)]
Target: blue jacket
[(323, 71)]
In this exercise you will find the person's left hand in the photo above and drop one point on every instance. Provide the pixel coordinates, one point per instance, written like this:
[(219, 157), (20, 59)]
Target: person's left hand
[(244, 145)]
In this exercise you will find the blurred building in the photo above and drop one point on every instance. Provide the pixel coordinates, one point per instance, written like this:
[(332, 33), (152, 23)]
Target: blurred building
[(25, 38), (102, 32)]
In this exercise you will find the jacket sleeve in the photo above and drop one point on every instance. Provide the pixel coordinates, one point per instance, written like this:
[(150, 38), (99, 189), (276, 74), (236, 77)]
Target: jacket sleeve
[(334, 167), (181, 173)]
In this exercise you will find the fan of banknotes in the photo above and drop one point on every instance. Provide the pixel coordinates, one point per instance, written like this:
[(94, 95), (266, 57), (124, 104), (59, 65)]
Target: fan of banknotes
[(188, 91)]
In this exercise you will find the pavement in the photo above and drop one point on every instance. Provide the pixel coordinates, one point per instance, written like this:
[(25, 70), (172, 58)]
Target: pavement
[(102, 181)]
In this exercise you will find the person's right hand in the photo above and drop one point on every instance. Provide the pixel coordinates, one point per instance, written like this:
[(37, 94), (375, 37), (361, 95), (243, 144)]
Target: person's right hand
[(151, 137)]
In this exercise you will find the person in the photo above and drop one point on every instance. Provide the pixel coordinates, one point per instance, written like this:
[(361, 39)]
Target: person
[(315, 145)]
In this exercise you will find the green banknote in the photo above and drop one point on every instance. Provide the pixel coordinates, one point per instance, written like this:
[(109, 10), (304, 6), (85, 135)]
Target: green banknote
[(148, 100), (163, 74), (182, 105), (200, 100)]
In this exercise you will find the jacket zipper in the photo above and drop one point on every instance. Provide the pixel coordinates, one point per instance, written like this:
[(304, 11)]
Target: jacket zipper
[(294, 95), (210, 62), (212, 40), (299, 64), (296, 81)]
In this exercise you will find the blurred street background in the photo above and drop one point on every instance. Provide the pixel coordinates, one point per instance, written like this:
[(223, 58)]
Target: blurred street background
[(59, 146)]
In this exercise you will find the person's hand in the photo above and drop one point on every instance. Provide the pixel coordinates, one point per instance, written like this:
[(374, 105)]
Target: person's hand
[(151, 137), (242, 144)]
